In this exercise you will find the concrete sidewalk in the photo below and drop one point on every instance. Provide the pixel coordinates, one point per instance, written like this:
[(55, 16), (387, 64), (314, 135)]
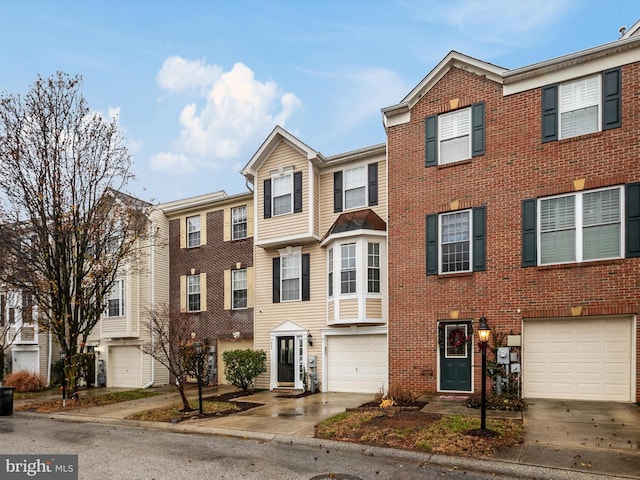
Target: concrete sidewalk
[(563, 440)]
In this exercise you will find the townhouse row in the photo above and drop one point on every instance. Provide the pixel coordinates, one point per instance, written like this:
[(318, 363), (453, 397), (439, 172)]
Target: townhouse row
[(512, 195)]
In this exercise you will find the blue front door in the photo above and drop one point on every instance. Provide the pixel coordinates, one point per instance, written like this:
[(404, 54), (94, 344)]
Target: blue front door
[(455, 356)]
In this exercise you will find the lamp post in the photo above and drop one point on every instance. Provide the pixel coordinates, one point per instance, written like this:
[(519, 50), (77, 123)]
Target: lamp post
[(483, 335), (199, 371), (63, 357)]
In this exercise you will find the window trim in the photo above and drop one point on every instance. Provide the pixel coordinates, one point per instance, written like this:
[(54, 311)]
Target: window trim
[(330, 289), (234, 223), (579, 225), (189, 293), (274, 196), (234, 289), (194, 231), (353, 245), (299, 277), (467, 111), (598, 104), (371, 268), (364, 185), (469, 240), (121, 299)]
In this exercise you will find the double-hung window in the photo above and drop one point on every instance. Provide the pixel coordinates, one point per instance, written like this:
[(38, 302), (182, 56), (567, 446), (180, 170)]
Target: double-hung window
[(193, 293), (193, 231), (239, 288), (239, 222), (579, 103), (291, 277), (115, 300), (373, 267), (581, 227), (330, 274), (282, 194), (455, 242), (355, 187), (455, 136), (348, 268)]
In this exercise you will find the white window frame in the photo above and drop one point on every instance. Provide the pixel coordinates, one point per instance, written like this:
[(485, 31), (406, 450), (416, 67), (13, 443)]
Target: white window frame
[(116, 294), (355, 179), (239, 285), (441, 243), (579, 227), (285, 182), (373, 265), (579, 103), (458, 133), (330, 286), (193, 231), (294, 272), (351, 266), (238, 218), (193, 281)]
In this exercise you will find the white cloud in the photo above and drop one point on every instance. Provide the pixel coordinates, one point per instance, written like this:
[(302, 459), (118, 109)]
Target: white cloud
[(178, 75), (231, 114), (173, 162)]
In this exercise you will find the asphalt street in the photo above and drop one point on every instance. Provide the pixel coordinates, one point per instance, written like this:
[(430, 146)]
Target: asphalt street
[(116, 452)]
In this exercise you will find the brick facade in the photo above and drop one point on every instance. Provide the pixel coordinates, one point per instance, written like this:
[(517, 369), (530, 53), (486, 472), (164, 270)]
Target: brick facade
[(516, 166)]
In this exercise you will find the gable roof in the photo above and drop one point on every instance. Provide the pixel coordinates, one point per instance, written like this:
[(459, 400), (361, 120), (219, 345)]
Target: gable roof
[(277, 135), (453, 59)]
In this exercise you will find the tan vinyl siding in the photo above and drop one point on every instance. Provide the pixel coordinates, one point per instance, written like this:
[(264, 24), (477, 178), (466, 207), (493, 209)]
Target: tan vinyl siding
[(310, 315), (374, 308), (349, 309), (226, 346), (331, 311), (290, 224), (327, 216)]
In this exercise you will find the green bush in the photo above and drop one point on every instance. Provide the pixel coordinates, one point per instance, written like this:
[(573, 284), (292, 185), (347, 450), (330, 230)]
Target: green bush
[(241, 367)]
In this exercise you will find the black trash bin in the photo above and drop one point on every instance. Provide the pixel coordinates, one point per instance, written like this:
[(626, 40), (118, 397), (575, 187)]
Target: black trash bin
[(6, 401)]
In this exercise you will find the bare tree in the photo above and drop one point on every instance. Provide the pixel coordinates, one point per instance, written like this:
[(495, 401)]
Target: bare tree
[(10, 330), (171, 345), (66, 231)]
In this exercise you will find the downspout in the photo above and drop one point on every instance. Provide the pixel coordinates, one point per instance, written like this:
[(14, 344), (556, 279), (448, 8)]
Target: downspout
[(152, 288)]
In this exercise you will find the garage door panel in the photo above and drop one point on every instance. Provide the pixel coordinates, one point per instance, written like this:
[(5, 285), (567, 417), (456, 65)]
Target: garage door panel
[(125, 366), (582, 359), (356, 363)]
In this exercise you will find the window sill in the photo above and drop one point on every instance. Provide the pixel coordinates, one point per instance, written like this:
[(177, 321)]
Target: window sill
[(454, 164), (590, 263), (455, 275)]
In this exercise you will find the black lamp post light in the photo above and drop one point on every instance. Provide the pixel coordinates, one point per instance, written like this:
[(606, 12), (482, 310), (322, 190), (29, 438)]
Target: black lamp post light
[(484, 332)]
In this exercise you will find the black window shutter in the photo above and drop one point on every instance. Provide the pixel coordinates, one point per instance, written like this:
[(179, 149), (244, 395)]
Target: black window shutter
[(431, 141), (297, 192), (432, 244), (267, 198), (529, 233), (276, 279), (337, 192), (632, 218), (612, 98), (549, 113), (477, 129), (373, 184), (306, 287), (479, 239)]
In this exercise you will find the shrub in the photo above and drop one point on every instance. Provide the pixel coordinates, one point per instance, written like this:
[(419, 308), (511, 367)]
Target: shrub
[(241, 367), (24, 381)]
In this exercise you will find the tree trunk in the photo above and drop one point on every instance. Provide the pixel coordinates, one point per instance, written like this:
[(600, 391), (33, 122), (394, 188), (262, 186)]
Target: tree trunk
[(185, 401)]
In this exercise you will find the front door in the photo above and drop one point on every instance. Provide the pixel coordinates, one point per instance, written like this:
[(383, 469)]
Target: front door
[(455, 356), (286, 362)]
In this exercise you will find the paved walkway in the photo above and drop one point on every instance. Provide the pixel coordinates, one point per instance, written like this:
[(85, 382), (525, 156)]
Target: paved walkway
[(563, 440)]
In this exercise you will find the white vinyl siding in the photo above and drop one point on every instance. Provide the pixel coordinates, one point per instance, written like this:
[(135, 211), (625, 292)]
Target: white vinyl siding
[(581, 227), (454, 134), (579, 107), (355, 187)]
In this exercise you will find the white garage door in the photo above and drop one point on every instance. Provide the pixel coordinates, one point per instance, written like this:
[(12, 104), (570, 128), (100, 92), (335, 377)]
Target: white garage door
[(125, 367), (26, 360), (580, 359), (357, 363)]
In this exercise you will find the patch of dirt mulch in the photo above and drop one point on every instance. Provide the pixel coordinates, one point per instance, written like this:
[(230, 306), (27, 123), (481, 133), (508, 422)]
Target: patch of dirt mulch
[(418, 431), (82, 400), (406, 405)]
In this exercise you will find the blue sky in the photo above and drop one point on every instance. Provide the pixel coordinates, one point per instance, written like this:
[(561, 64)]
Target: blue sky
[(198, 85)]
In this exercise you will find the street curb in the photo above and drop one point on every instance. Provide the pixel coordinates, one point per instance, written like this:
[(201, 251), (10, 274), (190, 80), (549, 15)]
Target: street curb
[(458, 463)]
